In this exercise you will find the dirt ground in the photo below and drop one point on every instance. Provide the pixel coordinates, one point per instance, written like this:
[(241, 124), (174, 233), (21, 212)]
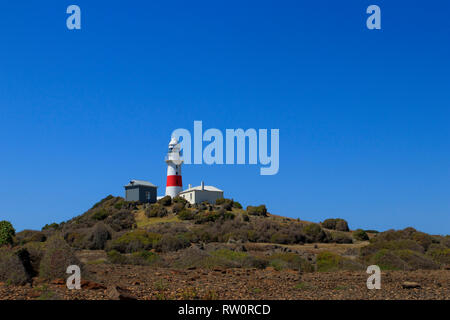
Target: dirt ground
[(146, 283)]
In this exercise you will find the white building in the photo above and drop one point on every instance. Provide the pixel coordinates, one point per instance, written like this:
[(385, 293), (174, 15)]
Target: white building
[(201, 193)]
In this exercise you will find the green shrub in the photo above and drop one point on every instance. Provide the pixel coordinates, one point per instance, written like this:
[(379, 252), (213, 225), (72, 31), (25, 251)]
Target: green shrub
[(101, 202), (26, 236), (172, 243), (416, 260), (328, 261), (119, 204), (144, 257), (115, 257), (177, 207), (387, 260), (237, 205), (186, 214), (336, 224), (290, 260), (98, 237), (52, 226), (440, 255), (134, 241), (36, 252), (360, 235), (340, 237), (257, 211), (179, 199), (314, 233), (403, 244), (165, 201), (57, 257), (122, 220), (156, 210), (12, 269), (100, 214), (7, 233)]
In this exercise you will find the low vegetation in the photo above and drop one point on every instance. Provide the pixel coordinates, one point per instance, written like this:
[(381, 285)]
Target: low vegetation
[(174, 233)]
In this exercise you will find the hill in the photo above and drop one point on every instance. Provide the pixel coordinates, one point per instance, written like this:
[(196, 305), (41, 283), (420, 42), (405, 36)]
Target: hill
[(174, 235)]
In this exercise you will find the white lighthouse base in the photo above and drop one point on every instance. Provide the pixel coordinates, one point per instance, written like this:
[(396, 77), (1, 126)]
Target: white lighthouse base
[(173, 191)]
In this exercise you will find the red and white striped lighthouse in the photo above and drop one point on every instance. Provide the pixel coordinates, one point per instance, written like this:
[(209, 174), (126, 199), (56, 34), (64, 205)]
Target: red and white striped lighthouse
[(173, 159)]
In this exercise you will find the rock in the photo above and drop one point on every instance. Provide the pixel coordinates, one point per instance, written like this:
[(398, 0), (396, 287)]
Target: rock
[(90, 285), (59, 282), (410, 285), (118, 293)]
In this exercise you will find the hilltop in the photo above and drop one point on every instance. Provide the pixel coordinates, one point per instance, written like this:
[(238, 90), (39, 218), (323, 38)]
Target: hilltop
[(177, 238)]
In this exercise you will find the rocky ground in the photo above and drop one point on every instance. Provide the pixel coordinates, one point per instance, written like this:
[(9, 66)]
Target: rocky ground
[(140, 282)]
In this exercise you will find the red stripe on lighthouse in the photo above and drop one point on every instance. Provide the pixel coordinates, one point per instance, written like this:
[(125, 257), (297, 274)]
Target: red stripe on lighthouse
[(174, 181)]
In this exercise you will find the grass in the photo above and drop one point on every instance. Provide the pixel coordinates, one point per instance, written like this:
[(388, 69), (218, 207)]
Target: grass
[(98, 261), (328, 261), (256, 290), (143, 221), (303, 286), (160, 285)]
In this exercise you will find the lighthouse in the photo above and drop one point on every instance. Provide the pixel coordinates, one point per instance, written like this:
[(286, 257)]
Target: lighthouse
[(173, 159)]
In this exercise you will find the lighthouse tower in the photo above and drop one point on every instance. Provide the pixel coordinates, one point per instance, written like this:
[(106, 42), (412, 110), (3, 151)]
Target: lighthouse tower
[(174, 185)]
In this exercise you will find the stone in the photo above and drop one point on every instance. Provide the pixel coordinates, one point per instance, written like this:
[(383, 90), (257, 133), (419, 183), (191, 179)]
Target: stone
[(410, 285), (118, 293)]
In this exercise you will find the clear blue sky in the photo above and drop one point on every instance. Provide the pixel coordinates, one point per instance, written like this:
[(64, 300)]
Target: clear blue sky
[(364, 116)]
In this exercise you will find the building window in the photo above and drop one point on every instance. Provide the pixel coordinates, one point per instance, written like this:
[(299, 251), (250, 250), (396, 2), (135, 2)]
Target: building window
[(190, 196), (147, 196)]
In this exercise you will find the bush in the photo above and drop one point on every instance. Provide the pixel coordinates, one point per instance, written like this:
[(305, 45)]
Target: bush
[(340, 237), (57, 257), (100, 234), (172, 243), (403, 244), (26, 236), (101, 202), (387, 260), (7, 233), (156, 210), (336, 224), (100, 214), (134, 241), (50, 227), (12, 269), (360, 235), (257, 211), (122, 220), (115, 257), (290, 260), (328, 261), (144, 258), (186, 214), (36, 252), (177, 207), (440, 255), (179, 199), (314, 233), (237, 205), (165, 201), (416, 260)]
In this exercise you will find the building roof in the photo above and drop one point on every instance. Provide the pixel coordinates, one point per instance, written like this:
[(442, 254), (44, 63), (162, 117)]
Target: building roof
[(135, 183), (199, 188)]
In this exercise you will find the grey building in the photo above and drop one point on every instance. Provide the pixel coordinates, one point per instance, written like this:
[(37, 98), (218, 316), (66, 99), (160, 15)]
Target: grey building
[(139, 190)]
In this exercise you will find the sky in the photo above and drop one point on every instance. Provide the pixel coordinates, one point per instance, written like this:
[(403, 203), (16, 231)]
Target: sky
[(364, 115)]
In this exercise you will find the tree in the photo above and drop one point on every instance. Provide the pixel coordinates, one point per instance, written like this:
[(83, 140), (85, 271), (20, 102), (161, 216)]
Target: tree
[(7, 233)]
